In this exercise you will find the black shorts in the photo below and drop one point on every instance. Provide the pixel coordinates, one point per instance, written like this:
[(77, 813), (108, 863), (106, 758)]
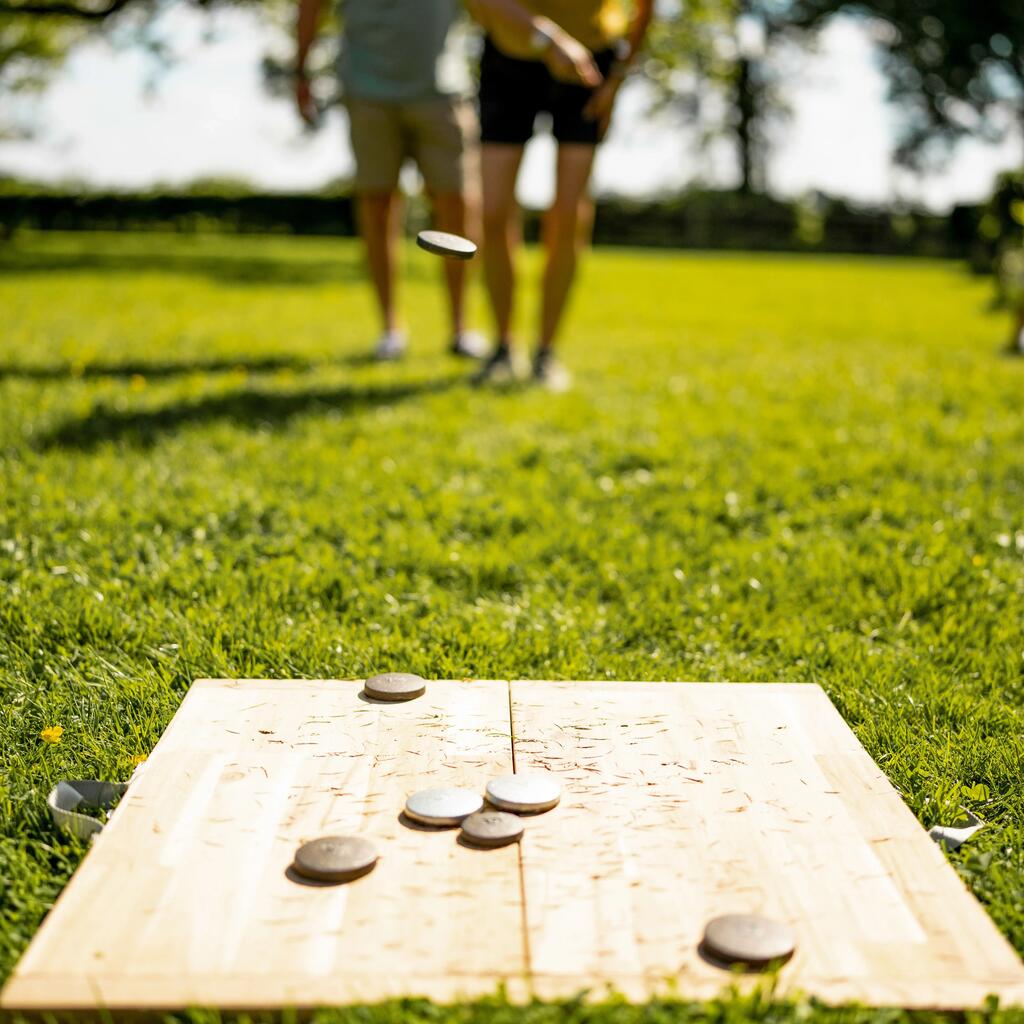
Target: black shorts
[(513, 92)]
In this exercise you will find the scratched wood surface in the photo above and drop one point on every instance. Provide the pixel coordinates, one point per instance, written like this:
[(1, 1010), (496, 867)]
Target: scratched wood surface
[(687, 801), (681, 801), (185, 898)]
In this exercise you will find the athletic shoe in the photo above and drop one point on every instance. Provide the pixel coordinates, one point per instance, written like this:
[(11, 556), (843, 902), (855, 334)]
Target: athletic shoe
[(549, 373), (498, 368), (469, 345), (1015, 347), (391, 346)]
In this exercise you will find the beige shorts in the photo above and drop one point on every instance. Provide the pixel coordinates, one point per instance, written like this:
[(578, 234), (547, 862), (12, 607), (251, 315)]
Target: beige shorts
[(441, 135)]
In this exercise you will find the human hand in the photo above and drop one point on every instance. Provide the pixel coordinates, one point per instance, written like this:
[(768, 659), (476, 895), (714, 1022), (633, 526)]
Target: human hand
[(602, 101), (304, 99), (570, 61)]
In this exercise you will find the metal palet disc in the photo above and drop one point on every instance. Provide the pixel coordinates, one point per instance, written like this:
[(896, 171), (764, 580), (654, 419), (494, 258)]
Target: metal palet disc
[(395, 686), (335, 858), (524, 794), (443, 806), (441, 243), (748, 939), (492, 828)]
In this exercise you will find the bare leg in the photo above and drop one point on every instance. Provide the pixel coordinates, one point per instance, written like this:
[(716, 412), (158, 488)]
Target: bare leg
[(378, 224), (566, 231), (1017, 338), (456, 213), (502, 233)]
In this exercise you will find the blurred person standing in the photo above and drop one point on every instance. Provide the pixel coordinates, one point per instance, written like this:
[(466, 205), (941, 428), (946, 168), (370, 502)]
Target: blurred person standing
[(1015, 347), (566, 58), (406, 88)]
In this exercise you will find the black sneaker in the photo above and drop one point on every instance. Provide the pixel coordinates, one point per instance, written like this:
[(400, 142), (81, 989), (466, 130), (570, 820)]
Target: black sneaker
[(549, 372), (498, 368)]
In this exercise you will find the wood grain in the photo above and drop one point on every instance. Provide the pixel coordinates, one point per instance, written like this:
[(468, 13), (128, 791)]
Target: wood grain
[(685, 801), (185, 897), (681, 801)]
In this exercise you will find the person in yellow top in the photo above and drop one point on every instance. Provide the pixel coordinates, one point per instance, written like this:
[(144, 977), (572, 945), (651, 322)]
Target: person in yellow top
[(597, 24), (566, 58)]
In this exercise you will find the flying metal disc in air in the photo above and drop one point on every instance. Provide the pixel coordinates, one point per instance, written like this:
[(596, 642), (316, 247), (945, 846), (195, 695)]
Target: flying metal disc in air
[(441, 243)]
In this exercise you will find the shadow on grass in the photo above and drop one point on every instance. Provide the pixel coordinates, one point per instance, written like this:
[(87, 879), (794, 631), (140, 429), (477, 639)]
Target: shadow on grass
[(218, 266), (270, 364), (248, 408)]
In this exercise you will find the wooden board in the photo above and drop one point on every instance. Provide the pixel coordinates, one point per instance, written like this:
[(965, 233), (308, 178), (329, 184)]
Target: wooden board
[(185, 899), (681, 801), (687, 801)]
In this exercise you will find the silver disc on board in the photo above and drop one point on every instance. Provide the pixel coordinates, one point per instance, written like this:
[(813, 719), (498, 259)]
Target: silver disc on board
[(443, 806), (524, 794)]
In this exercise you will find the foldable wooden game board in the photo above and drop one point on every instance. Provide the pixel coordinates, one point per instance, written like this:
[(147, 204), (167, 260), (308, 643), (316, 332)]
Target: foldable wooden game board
[(681, 801)]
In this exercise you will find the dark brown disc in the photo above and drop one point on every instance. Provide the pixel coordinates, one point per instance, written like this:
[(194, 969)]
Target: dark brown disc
[(395, 686), (492, 828), (748, 940), (335, 858)]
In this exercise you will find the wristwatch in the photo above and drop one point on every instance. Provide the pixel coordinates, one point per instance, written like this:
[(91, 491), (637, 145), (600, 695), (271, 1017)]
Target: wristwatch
[(540, 41), (623, 58)]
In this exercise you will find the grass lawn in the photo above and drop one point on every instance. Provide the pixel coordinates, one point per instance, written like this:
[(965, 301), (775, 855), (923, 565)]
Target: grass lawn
[(770, 468)]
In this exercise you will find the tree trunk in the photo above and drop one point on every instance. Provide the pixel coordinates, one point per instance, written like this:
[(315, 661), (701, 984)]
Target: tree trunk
[(746, 124)]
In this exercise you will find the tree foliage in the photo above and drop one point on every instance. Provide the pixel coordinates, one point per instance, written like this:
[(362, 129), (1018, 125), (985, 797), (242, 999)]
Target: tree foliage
[(30, 47), (955, 67), (713, 60), (37, 35)]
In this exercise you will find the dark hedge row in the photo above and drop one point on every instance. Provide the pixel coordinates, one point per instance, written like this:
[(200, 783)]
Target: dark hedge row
[(694, 219), (730, 220), (254, 213)]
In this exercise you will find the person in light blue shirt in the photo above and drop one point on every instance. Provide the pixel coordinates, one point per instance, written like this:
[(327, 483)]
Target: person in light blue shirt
[(407, 88), (396, 51)]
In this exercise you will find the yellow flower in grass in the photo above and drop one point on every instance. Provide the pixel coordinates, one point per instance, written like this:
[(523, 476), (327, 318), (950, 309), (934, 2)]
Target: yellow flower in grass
[(52, 734)]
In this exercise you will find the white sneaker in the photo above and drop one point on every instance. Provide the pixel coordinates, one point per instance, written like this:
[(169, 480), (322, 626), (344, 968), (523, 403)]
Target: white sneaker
[(470, 345), (391, 346), (549, 373)]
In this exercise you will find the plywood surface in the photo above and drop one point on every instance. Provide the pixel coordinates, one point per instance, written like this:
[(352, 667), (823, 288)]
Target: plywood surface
[(185, 898), (681, 801)]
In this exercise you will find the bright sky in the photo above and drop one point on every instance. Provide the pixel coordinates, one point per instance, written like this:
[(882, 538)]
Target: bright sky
[(209, 115)]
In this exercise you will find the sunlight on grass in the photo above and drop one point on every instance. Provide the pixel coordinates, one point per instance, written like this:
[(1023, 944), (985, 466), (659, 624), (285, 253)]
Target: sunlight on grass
[(770, 469)]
